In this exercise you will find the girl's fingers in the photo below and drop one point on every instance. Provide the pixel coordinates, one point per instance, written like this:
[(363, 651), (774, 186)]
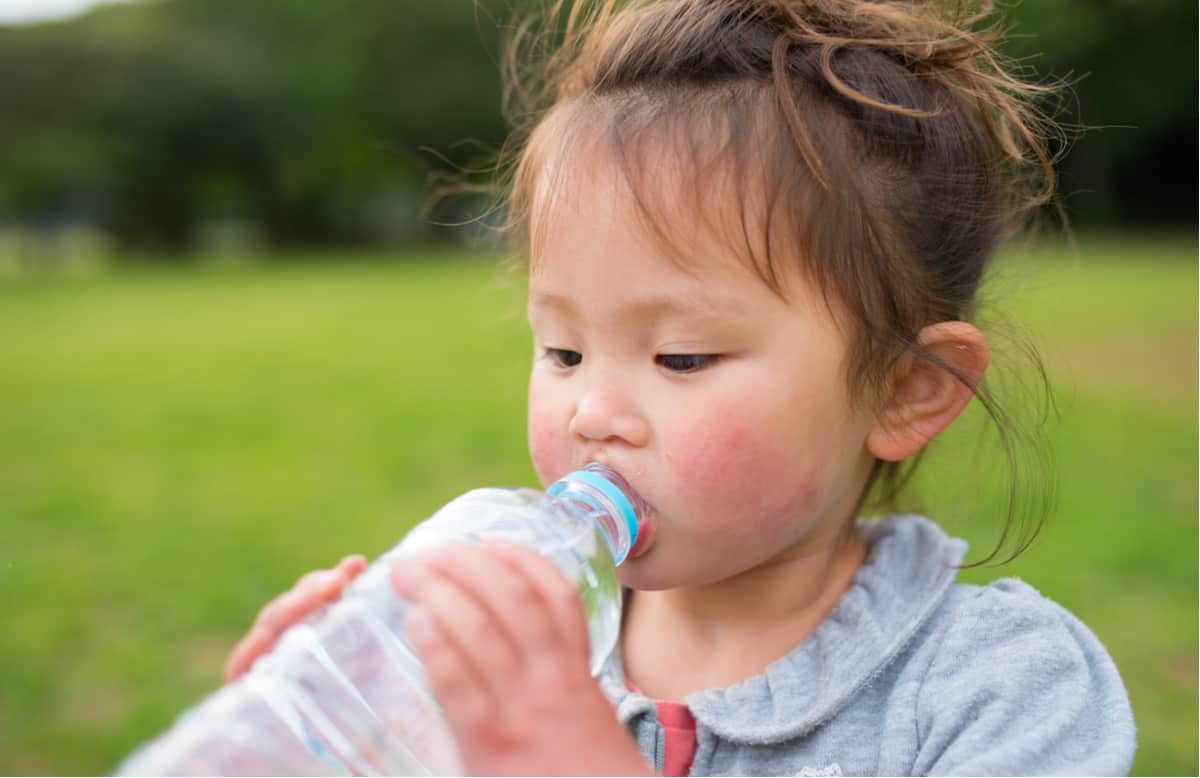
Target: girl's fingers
[(492, 625), (313, 590), (310, 592), (558, 597), (455, 683), (510, 612), (289, 608), (245, 652), (498, 596), (518, 596), (279, 614), (445, 587), (352, 565), (442, 628)]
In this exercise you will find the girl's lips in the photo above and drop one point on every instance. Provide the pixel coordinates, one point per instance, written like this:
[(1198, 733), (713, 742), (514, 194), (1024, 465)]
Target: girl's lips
[(642, 509), (645, 536)]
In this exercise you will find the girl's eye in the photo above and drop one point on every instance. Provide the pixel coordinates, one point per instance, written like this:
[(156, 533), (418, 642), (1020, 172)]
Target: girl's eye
[(685, 363), (564, 357)]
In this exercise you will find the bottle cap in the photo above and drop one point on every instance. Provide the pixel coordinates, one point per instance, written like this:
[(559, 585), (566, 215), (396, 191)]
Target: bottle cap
[(601, 478)]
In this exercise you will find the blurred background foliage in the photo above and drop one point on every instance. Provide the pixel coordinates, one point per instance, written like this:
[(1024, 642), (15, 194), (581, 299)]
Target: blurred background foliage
[(298, 123), (171, 123), (232, 348)]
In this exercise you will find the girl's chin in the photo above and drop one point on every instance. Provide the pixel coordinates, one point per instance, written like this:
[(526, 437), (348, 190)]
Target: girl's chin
[(645, 571), (641, 576)]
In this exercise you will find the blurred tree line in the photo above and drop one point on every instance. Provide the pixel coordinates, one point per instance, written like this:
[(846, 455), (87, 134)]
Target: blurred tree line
[(320, 122)]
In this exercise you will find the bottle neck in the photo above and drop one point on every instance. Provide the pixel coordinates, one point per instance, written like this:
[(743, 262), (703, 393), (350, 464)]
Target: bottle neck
[(607, 499)]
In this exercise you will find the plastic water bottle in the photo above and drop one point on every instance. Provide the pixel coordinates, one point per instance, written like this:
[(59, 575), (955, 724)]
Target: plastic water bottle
[(342, 692)]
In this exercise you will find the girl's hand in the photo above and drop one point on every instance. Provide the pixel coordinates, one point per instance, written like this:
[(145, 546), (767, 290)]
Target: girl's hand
[(503, 638), (311, 592)]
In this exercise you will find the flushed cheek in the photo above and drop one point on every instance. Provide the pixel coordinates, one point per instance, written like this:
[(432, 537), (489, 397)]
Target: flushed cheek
[(547, 430), (549, 448), (732, 466)]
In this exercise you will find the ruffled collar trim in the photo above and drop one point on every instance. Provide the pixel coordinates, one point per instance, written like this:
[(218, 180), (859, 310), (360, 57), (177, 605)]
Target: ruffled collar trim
[(910, 566)]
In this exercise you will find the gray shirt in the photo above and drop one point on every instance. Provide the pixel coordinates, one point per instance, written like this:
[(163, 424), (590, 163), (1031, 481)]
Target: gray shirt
[(913, 674)]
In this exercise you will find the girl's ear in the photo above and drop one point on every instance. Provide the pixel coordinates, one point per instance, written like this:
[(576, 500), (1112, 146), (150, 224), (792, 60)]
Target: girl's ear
[(925, 398)]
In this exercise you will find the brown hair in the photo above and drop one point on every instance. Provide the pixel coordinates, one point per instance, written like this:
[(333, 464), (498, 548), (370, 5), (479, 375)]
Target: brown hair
[(890, 144)]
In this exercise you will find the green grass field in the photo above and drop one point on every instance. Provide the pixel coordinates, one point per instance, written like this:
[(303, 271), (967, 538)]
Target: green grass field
[(178, 446)]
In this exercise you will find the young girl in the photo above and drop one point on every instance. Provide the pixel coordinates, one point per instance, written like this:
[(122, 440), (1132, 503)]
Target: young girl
[(755, 230)]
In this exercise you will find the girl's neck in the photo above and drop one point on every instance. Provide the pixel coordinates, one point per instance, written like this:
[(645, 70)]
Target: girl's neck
[(679, 641)]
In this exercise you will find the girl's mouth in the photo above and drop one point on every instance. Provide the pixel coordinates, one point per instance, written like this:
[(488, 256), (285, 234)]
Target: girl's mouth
[(645, 535), (641, 509), (645, 521)]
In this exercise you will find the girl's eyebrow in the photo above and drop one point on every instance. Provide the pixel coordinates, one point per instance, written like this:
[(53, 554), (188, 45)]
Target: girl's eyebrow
[(652, 306)]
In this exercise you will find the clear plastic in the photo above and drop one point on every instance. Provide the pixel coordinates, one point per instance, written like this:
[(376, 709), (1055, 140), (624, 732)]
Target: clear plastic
[(343, 693)]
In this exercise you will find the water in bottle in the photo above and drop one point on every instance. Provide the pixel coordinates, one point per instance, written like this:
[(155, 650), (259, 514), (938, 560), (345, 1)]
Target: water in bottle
[(343, 693)]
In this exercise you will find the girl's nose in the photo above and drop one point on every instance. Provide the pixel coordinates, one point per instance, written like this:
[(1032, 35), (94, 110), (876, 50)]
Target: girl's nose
[(606, 414)]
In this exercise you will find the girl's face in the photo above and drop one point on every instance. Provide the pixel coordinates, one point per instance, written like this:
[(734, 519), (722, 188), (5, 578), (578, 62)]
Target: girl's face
[(724, 406)]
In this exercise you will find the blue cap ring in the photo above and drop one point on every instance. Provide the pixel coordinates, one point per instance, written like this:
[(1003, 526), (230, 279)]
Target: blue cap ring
[(609, 490)]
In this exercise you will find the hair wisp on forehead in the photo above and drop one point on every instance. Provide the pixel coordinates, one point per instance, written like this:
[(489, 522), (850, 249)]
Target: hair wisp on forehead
[(688, 164), (883, 147)]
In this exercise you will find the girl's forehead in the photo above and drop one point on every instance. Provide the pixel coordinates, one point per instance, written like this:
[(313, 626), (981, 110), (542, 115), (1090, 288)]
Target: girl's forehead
[(699, 186), (595, 214), (693, 231), (601, 241), (658, 202)]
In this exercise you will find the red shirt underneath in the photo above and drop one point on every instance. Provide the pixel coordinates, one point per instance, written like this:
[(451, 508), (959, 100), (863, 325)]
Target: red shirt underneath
[(679, 735)]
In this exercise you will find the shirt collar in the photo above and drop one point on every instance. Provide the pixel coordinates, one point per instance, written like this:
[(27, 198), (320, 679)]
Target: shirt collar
[(910, 566)]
